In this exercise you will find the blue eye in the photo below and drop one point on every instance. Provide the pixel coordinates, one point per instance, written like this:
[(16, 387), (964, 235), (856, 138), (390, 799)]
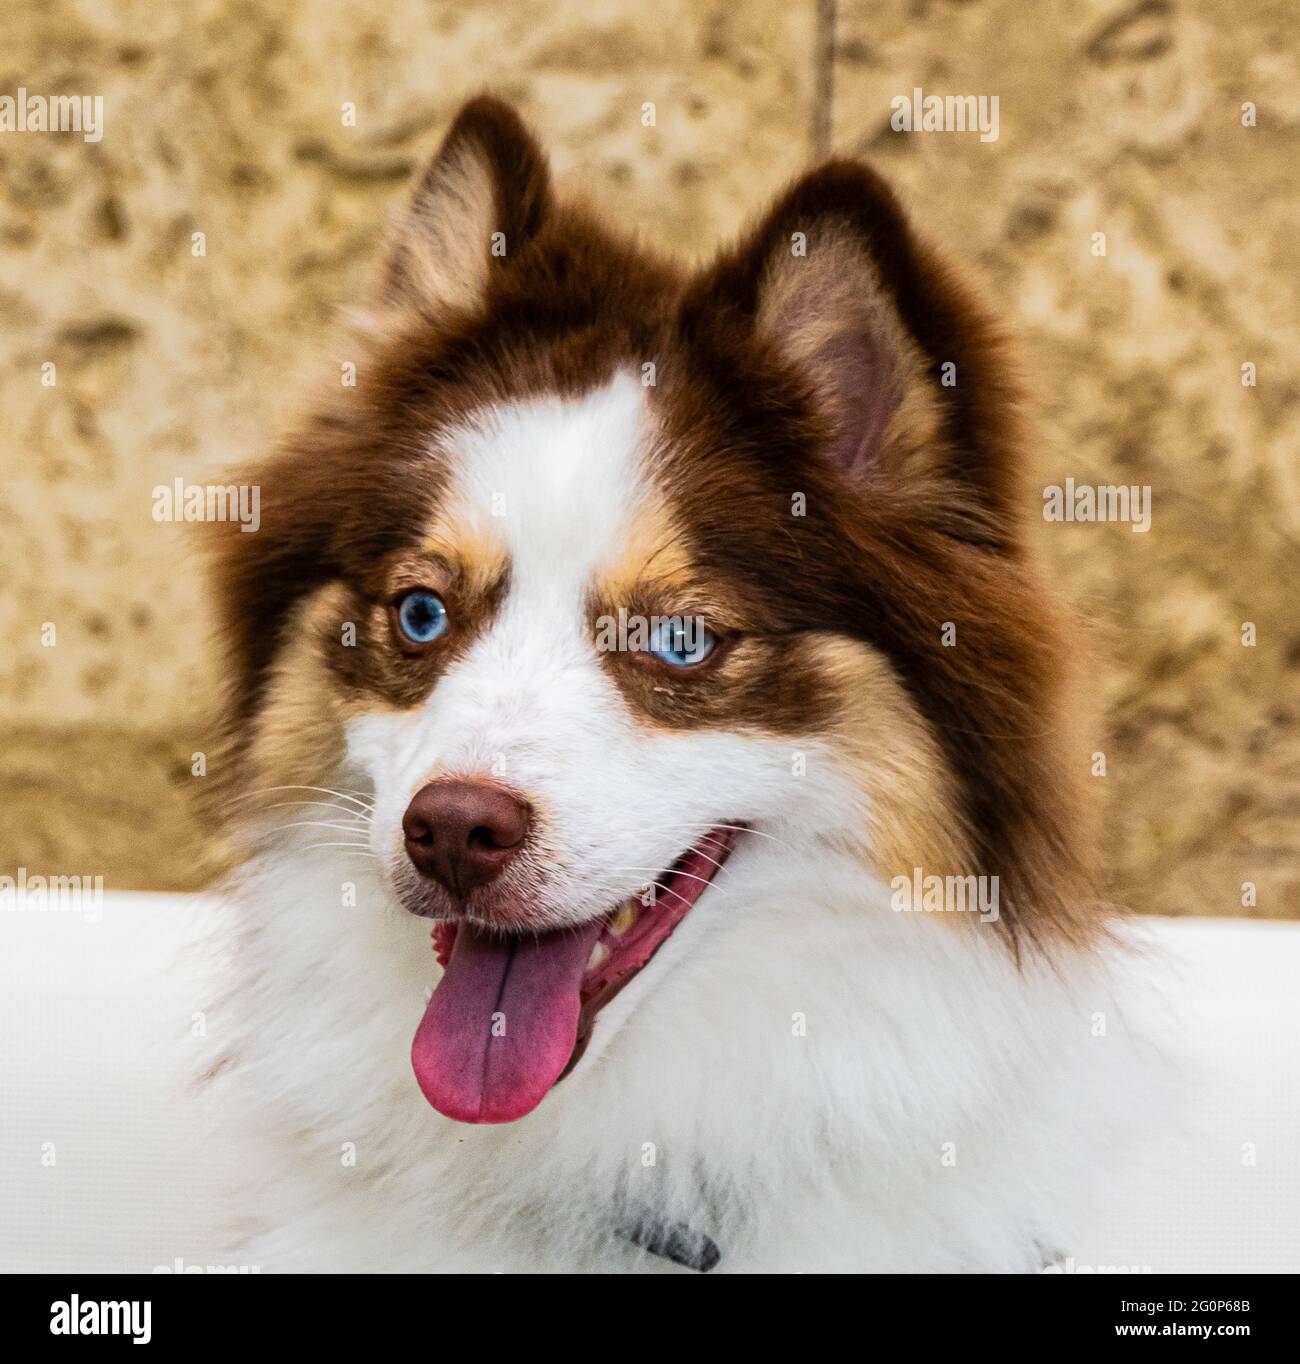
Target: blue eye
[(681, 641), (422, 616)]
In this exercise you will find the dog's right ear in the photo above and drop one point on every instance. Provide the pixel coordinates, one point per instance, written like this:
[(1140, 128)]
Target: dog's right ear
[(486, 192)]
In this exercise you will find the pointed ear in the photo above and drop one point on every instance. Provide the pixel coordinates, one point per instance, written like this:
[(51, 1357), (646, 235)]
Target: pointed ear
[(908, 380), (486, 192)]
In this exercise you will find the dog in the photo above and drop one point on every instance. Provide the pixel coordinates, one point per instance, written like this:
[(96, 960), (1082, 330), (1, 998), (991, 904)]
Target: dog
[(631, 675)]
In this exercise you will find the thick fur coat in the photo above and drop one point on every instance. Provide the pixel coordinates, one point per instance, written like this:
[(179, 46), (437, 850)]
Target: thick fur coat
[(812, 445)]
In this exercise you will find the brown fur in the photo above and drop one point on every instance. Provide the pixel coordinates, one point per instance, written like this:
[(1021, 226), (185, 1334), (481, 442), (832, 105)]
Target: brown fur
[(917, 526)]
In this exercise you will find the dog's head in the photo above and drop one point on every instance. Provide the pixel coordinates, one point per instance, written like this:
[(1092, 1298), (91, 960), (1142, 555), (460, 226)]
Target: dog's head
[(600, 572)]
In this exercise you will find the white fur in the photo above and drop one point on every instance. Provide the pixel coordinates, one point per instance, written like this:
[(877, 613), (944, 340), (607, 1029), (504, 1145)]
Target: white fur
[(807, 1076), (531, 705)]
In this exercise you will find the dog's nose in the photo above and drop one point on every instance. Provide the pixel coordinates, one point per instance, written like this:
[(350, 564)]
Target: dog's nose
[(462, 833)]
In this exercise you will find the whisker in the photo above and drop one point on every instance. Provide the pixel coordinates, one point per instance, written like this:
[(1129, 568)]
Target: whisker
[(316, 824), (758, 833), (705, 826), (366, 805), (717, 863), (723, 891), (324, 805), (690, 876)]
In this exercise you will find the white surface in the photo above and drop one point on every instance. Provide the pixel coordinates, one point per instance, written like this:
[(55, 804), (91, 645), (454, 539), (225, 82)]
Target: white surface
[(1226, 1196), (95, 1029), (96, 1032)]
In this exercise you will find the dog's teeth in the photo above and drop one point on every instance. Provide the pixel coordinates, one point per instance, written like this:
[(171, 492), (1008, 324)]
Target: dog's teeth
[(624, 919), (598, 955)]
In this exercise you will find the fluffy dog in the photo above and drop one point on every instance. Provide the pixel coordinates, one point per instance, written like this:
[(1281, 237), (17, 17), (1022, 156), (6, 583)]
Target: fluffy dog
[(705, 874)]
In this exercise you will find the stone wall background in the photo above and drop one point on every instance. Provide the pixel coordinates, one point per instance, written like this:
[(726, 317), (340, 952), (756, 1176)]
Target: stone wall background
[(223, 117)]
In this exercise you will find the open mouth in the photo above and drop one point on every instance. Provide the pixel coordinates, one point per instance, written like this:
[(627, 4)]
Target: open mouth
[(512, 1015)]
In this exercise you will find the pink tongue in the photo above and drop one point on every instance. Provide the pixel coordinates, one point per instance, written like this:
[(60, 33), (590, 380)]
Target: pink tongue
[(502, 1022)]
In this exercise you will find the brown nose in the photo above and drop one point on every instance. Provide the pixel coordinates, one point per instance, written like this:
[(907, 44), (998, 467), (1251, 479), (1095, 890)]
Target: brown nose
[(462, 833)]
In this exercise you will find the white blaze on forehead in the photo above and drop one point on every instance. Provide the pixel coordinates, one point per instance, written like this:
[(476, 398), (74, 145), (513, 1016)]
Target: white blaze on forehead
[(556, 484), (554, 480), (560, 487)]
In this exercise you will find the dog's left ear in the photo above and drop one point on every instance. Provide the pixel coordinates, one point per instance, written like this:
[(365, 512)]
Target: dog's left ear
[(476, 205), (909, 381)]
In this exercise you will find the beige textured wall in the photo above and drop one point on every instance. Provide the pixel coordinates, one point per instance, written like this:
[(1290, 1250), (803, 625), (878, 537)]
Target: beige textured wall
[(223, 117)]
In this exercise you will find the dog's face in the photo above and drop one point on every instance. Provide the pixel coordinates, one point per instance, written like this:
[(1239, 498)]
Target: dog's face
[(601, 571)]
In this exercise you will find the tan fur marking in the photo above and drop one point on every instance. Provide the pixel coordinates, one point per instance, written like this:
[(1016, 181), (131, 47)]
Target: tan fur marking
[(300, 727), (653, 557), (898, 764), (476, 548)]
